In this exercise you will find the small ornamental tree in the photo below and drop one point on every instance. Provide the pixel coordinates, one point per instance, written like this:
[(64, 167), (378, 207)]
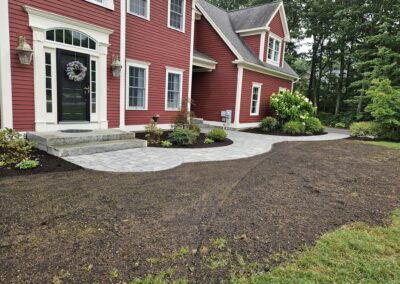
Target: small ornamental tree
[(290, 106)]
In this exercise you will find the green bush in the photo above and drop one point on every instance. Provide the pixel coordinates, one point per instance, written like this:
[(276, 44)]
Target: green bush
[(217, 134), (292, 106), (195, 128), (166, 144), (314, 126), (209, 141), (27, 165), (2, 164), (368, 129), (153, 133), (183, 136), (385, 107), (294, 128), (269, 123), (13, 148), (340, 125)]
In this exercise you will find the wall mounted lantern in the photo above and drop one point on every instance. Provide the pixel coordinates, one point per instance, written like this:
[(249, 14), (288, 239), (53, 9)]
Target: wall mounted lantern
[(116, 66), (24, 51)]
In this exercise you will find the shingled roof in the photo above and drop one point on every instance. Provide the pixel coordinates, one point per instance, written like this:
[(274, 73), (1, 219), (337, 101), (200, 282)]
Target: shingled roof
[(224, 20)]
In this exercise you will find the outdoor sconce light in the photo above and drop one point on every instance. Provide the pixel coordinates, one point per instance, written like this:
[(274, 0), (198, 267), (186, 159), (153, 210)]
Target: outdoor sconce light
[(116, 66), (24, 51)]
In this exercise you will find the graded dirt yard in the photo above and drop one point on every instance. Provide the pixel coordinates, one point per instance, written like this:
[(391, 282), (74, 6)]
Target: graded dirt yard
[(197, 222)]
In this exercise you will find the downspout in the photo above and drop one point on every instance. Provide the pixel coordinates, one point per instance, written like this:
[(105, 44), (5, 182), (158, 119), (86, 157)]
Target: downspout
[(122, 79), (6, 106)]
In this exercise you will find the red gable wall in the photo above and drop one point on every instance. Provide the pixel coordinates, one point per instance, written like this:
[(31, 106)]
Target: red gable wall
[(253, 42), (214, 91), (152, 41), (277, 26), (22, 75), (270, 85)]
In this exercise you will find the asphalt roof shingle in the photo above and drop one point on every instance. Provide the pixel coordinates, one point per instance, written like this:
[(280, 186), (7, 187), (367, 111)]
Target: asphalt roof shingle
[(223, 20)]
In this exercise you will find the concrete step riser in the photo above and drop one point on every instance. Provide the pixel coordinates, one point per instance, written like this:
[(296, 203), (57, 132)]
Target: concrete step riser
[(43, 143)]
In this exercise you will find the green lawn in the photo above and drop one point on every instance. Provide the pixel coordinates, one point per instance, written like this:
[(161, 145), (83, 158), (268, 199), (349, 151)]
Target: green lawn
[(352, 254), (394, 145)]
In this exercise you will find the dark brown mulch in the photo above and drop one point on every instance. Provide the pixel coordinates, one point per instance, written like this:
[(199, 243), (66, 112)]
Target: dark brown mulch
[(81, 225), (48, 164), (277, 132), (199, 143)]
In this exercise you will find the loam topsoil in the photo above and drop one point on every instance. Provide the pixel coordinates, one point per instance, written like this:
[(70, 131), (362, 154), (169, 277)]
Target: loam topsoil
[(79, 226)]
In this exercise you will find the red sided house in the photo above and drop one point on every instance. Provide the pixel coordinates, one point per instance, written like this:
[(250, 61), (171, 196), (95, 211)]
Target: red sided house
[(100, 64)]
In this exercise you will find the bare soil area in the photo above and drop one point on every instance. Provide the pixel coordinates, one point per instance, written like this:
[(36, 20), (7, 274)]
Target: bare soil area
[(91, 227)]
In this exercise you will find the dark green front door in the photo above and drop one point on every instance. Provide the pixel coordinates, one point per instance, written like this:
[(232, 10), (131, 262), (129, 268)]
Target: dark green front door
[(73, 94)]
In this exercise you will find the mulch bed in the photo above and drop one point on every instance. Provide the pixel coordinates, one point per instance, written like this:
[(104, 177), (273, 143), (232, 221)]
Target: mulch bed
[(48, 164), (80, 226), (199, 143), (277, 132)]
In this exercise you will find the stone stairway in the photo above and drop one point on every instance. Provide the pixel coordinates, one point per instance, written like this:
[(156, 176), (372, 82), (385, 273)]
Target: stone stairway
[(64, 144)]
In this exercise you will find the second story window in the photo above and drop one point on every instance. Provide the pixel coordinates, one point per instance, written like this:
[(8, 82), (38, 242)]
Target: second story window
[(176, 16), (139, 8), (274, 50), (109, 4)]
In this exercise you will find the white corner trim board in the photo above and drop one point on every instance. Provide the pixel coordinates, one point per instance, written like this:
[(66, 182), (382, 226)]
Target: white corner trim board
[(5, 69), (122, 89), (238, 96)]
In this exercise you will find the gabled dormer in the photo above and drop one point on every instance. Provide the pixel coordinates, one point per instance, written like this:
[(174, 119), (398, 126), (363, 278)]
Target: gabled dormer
[(264, 29)]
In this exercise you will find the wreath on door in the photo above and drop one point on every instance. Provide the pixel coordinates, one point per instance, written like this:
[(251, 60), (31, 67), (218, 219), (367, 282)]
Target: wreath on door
[(76, 71)]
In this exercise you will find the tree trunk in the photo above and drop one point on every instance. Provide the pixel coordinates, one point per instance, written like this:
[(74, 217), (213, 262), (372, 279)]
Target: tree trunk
[(314, 58), (341, 79)]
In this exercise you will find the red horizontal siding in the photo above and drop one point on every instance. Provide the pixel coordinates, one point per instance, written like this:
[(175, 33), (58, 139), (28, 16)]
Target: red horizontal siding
[(270, 85), (253, 42), (214, 91), (277, 26), (152, 41), (22, 76)]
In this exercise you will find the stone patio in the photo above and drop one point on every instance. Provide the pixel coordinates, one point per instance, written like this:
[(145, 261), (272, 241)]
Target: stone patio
[(157, 159)]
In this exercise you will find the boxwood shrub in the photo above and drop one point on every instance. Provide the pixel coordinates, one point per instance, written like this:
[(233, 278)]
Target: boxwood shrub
[(313, 126), (367, 129), (294, 128), (217, 134), (269, 123), (183, 136)]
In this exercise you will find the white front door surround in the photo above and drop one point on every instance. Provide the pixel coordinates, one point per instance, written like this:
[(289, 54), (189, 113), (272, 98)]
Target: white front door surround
[(40, 21)]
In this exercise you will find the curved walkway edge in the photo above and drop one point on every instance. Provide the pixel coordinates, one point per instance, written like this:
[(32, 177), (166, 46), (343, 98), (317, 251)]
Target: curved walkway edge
[(158, 159)]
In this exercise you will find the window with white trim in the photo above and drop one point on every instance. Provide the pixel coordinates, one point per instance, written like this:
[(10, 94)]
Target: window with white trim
[(137, 86), (109, 4), (139, 8), (176, 15), (93, 85), (49, 83), (70, 37), (274, 50), (174, 90), (255, 99)]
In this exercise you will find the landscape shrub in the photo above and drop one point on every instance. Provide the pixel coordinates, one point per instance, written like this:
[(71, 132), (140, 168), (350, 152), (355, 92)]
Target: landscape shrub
[(340, 125), (269, 123), (217, 134), (209, 141), (385, 107), (294, 128), (2, 164), (292, 106), (153, 133), (13, 148), (183, 136), (195, 127), (366, 129), (166, 144), (313, 126), (27, 165)]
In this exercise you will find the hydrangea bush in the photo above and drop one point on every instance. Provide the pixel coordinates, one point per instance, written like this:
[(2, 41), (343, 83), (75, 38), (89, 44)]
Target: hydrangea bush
[(292, 107)]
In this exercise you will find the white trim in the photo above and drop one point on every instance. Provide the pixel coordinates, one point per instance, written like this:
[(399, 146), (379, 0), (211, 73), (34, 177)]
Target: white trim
[(282, 13), (248, 125), (204, 63), (141, 127), (220, 33), (174, 69), (122, 79), (262, 46), (282, 89), (252, 31), (170, 70), (239, 87), (259, 86), (147, 17), (146, 94), (6, 105), (264, 70), (213, 123), (276, 39), (193, 23), (183, 17), (238, 126), (108, 4), (40, 21), (137, 62)]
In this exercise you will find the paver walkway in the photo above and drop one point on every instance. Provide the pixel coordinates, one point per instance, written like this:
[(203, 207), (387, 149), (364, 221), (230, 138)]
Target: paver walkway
[(157, 159)]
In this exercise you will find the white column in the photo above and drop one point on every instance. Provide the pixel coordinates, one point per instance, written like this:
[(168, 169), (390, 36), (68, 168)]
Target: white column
[(102, 95), (262, 46), (238, 96), (6, 106), (191, 55), (122, 79), (39, 79)]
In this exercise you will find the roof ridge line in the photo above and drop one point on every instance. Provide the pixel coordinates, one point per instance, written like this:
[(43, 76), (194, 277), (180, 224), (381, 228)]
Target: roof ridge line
[(250, 7)]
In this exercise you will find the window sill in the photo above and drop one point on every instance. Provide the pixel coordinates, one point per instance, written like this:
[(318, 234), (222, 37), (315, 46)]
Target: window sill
[(275, 63), (173, 109), (139, 16), (254, 114), (108, 4), (137, 109), (176, 29)]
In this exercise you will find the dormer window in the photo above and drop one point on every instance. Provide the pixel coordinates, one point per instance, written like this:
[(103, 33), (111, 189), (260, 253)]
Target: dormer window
[(274, 50)]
